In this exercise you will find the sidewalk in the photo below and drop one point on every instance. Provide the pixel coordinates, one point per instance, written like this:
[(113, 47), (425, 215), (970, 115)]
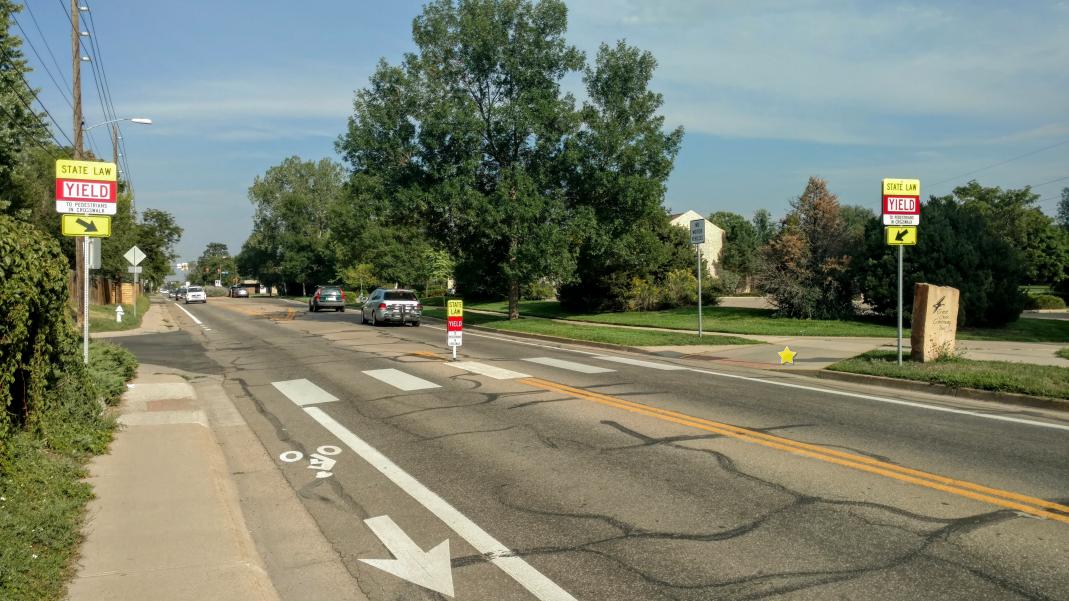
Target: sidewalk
[(154, 321), (167, 521)]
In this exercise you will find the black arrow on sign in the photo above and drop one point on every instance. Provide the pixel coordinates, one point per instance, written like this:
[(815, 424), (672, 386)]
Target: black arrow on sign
[(87, 226), (901, 235)]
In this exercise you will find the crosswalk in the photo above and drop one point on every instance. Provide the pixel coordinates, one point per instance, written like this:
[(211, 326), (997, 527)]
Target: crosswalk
[(309, 394)]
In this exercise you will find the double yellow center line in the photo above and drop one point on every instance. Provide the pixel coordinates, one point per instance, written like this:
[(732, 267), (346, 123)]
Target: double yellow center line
[(977, 492)]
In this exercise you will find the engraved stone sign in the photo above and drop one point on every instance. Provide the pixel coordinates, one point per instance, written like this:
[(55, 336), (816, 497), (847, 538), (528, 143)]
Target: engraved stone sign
[(935, 321)]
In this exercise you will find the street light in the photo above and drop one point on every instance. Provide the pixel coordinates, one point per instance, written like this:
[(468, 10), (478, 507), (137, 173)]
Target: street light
[(138, 120)]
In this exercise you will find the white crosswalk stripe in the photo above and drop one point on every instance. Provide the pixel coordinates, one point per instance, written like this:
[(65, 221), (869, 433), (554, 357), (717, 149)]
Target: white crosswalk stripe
[(640, 363), (303, 392), (569, 365), (490, 371), (399, 379)]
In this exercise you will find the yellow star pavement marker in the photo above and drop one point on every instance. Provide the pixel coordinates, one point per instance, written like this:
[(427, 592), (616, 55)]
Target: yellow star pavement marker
[(786, 356)]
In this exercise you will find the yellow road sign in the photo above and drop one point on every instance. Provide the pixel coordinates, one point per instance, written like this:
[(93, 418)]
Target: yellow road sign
[(901, 187), (901, 236), (86, 170), (454, 308), (93, 226)]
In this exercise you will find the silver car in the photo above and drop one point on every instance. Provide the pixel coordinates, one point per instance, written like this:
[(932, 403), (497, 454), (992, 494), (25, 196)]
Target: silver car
[(391, 305)]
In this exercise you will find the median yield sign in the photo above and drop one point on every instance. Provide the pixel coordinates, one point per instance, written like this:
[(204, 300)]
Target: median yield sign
[(94, 226), (87, 187), (454, 323)]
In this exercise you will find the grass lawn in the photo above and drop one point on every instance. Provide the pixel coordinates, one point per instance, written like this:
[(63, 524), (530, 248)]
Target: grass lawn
[(1063, 353), (622, 336), (738, 320), (102, 317), (1002, 376)]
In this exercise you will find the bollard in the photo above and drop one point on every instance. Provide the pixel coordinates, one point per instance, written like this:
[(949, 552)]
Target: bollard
[(118, 313)]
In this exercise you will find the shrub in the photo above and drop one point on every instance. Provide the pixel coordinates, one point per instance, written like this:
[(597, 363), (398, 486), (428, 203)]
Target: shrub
[(643, 295), (540, 290), (680, 289), (215, 291), (1044, 302), (110, 367)]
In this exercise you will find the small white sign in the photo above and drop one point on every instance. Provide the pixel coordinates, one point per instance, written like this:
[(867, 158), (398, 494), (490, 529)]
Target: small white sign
[(134, 269), (134, 256), (697, 231), (901, 220), (455, 338)]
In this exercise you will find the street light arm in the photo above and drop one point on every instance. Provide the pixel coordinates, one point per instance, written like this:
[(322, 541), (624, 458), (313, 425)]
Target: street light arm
[(139, 120)]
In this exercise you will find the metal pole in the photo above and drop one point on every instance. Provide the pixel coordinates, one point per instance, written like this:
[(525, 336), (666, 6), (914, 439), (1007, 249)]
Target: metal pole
[(900, 249), (699, 290), (135, 296), (85, 301), (454, 353)]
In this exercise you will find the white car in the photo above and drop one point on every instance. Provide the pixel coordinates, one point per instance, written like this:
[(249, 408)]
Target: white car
[(195, 294)]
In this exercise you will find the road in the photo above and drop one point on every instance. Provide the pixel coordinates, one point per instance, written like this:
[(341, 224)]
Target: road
[(576, 473)]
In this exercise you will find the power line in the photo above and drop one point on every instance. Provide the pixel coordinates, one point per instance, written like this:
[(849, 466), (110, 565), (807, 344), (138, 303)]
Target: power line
[(999, 164), (22, 76), (1051, 182), (49, 49), (33, 48), (36, 140)]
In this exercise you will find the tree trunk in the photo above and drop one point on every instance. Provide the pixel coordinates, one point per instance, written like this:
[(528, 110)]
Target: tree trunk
[(514, 299)]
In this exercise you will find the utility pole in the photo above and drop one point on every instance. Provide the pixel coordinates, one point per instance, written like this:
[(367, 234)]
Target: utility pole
[(80, 280)]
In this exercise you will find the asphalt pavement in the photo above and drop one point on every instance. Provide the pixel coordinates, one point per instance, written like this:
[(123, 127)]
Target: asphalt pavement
[(546, 471)]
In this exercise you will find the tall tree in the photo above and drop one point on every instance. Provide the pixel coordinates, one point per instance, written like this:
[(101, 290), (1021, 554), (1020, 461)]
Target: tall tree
[(215, 263), (741, 247), (464, 135), (291, 220), (616, 167), (804, 268), (1063, 209), (157, 235), (21, 128), (763, 226)]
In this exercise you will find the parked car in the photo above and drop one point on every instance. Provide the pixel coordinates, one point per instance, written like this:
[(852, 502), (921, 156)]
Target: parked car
[(238, 292), (180, 293), (196, 294), (327, 297), (391, 305)]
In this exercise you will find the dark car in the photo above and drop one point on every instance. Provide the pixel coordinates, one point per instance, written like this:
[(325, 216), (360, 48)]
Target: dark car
[(238, 292), (327, 297), (391, 305)]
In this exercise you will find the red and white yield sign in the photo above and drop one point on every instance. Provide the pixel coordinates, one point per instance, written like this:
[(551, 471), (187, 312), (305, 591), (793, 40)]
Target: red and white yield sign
[(454, 323), (901, 202), (86, 187)]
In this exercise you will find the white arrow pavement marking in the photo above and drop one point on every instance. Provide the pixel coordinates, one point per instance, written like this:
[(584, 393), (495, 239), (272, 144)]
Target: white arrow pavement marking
[(504, 558), (431, 570)]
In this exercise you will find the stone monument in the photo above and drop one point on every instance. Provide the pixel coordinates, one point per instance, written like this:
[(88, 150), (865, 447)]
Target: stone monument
[(935, 322)]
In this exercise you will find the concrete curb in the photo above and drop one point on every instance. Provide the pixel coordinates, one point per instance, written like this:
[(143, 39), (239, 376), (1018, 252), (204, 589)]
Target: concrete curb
[(557, 339), (975, 394)]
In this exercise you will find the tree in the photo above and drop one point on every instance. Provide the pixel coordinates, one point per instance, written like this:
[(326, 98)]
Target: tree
[(291, 221), (741, 247), (616, 166), (259, 259), (358, 277), (1063, 209), (464, 135), (763, 226), (804, 268), (157, 235), (215, 263), (21, 128)]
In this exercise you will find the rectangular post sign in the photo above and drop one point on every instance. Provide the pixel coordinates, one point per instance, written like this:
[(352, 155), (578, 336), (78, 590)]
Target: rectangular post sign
[(86, 187), (901, 202), (454, 324)]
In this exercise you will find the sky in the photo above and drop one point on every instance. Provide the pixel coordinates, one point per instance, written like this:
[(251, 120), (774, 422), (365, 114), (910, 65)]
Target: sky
[(769, 93)]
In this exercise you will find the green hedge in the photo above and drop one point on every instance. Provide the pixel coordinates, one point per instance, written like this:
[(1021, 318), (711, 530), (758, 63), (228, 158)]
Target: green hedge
[(1044, 301), (38, 342)]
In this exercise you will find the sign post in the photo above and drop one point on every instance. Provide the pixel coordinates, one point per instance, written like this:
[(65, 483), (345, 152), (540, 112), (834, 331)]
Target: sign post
[(697, 238), (901, 207), (454, 325), (86, 188), (134, 256)]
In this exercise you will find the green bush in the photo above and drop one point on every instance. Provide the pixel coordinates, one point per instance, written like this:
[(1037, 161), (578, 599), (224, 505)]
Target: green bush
[(215, 291), (1044, 302), (110, 367), (643, 295), (680, 289), (540, 290)]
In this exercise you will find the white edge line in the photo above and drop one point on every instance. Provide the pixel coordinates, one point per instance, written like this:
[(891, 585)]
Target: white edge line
[(498, 554), (191, 316), (832, 391)]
